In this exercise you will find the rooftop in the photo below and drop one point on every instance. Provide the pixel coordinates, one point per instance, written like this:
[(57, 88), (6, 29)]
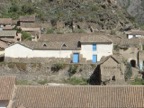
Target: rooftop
[(78, 97), (6, 87), (30, 18), (5, 21), (135, 32), (51, 45), (8, 33), (82, 37)]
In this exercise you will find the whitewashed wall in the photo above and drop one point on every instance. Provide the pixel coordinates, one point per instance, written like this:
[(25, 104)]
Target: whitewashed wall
[(133, 36), (52, 53), (17, 51), (102, 50), (130, 36)]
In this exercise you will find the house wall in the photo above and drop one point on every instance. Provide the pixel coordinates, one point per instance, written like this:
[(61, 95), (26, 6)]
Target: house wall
[(130, 54), (86, 53), (52, 53), (111, 68), (102, 50), (18, 51), (133, 36)]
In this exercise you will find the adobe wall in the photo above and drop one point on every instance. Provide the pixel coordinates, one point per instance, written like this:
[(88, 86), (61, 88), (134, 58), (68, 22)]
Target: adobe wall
[(109, 69)]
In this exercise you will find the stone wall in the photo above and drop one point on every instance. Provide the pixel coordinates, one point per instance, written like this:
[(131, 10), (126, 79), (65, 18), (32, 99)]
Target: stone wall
[(38, 60), (33, 73)]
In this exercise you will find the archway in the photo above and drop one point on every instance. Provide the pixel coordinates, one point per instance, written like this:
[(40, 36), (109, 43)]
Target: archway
[(133, 63)]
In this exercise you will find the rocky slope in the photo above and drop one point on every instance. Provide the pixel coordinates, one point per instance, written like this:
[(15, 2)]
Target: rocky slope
[(135, 8), (87, 15)]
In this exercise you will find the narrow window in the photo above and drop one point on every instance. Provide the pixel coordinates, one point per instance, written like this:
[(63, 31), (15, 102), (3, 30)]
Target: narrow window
[(64, 45), (94, 47), (44, 45), (94, 58)]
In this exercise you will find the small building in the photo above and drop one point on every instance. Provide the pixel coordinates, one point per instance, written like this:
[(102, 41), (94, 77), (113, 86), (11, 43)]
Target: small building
[(77, 97), (110, 70), (135, 34), (94, 47), (41, 51), (87, 48), (6, 89), (6, 24), (28, 24), (10, 35)]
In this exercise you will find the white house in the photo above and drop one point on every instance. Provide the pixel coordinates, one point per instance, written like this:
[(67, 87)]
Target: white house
[(93, 48), (135, 34), (89, 48)]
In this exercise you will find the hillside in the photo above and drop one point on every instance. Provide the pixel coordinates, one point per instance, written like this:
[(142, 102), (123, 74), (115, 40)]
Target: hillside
[(135, 8), (90, 15)]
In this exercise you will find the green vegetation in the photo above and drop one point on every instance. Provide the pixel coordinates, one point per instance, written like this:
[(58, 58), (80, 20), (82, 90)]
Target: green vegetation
[(26, 36), (22, 82), (15, 8), (67, 11), (72, 69), (76, 81), (56, 67), (50, 30), (128, 72), (42, 82), (138, 81)]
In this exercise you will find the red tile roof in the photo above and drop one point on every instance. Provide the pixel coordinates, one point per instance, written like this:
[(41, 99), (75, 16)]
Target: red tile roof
[(5, 21), (6, 87), (78, 97), (30, 18)]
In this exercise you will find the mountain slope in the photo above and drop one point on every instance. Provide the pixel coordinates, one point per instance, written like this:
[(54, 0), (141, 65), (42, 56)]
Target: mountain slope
[(85, 14)]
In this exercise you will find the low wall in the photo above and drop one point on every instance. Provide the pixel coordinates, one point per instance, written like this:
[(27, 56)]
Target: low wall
[(46, 60), (38, 60)]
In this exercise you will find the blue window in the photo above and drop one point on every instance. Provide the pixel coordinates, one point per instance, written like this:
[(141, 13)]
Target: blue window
[(75, 57), (94, 47), (94, 58)]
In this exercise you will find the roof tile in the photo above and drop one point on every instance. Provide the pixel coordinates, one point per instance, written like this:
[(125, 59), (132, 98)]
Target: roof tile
[(79, 97)]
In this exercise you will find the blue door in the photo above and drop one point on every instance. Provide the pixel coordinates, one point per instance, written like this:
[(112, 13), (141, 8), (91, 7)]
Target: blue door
[(75, 57), (94, 58)]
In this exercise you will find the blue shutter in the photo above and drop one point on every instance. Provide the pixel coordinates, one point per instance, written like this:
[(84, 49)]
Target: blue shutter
[(75, 57), (94, 58), (94, 47)]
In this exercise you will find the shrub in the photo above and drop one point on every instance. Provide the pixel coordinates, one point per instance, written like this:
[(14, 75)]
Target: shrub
[(26, 36), (77, 81), (22, 82), (42, 82), (56, 67), (116, 47), (128, 72), (72, 69), (138, 81), (50, 31), (113, 32)]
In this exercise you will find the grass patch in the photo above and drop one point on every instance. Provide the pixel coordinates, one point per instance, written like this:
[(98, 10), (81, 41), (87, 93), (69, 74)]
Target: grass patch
[(76, 81), (138, 81), (42, 82), (72, 69), (21, 66), (22, 82), (56, 67)]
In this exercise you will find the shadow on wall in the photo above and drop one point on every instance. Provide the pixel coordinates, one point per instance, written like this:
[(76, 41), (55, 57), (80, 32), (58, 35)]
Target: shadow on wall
[(1, 59), (95, 78)]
